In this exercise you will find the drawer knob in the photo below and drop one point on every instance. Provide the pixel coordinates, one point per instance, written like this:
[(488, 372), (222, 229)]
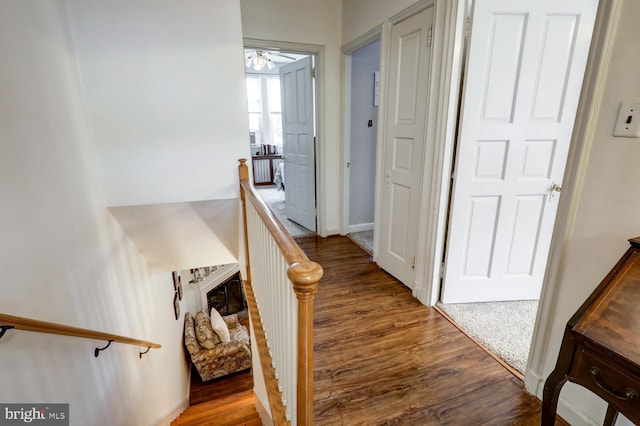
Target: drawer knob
[(629, 393)]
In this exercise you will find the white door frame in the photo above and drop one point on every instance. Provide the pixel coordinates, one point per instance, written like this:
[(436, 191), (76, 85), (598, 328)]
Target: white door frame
[(444, 90), (320, 89), (347, 51), (442, 112), (449, 38), (604, 33), (442, 105)]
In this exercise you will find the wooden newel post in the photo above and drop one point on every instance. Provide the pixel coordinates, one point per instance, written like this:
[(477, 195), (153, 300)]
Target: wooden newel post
[(243, 172), (305, 277)]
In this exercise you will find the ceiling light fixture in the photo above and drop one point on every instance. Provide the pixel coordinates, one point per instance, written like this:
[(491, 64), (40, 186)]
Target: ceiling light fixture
[(258, 60)]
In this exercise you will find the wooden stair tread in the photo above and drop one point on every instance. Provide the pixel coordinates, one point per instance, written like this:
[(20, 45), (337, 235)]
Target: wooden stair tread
[(237, 398), (227, 418), (232, 419), (233, 410)]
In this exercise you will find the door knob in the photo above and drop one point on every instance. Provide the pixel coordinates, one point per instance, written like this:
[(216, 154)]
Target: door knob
[(555, 190)]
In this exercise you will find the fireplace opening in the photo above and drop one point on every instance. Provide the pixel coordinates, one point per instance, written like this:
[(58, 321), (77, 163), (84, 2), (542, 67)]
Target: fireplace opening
[(228, 297)]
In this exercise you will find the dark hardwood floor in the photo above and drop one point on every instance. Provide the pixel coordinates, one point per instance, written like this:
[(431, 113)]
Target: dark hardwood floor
[(382, 358), (200, 392)]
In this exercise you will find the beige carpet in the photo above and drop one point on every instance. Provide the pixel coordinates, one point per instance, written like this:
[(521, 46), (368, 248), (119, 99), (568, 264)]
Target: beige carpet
[(364, 239), (505, 328)]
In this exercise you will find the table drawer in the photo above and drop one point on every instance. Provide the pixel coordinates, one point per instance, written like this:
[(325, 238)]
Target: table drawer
[(617, 386)]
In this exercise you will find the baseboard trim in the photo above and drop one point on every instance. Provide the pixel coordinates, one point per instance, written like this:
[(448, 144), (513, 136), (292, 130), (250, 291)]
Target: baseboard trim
[(359, 227), (167, 419), (534, 384), (324, 233), (573, 416), (265, 417)]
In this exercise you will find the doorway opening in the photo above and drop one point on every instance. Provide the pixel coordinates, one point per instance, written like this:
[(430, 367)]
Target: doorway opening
[(516, 121), (363, 100), (282, 134)]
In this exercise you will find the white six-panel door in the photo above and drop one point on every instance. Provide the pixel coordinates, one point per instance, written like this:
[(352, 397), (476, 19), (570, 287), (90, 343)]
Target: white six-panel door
[(409, 61), (298, 142), (525, 67)]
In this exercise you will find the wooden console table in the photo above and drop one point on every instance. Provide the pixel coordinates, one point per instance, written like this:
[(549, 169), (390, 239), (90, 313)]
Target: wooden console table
[(601, 344)]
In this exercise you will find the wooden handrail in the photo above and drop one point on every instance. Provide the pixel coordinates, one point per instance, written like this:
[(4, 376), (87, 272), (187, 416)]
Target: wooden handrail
[(305, 276), (289, 248), (28, 324)]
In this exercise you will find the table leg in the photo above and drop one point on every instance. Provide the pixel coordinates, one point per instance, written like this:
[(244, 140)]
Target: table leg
[(612, 415), (557, 378), (552, 387)]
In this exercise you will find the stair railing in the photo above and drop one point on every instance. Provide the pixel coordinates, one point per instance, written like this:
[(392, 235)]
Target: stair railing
[(10, 322), (281, 285)]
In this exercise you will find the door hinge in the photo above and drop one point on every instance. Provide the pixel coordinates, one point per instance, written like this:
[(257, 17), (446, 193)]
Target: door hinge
[(413, 263), (467, 27), (442, 270), (313, 72), (429, 35)]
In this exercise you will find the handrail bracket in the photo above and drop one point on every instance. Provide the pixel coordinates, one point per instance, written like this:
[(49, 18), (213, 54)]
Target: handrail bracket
[(4, 328), (142, 353), (98, 350)]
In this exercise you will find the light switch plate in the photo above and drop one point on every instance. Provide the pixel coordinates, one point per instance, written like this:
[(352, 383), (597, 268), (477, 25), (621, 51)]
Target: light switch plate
[(628, 120)]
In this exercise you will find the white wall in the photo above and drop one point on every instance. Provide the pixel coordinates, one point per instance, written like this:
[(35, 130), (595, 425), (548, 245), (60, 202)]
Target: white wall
[(364, 62), (310, 22), (361, 16), (609, 204), (64, 258), (164, 81)]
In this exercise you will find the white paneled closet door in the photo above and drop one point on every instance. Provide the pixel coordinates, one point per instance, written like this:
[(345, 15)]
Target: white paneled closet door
[(525, 67)]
